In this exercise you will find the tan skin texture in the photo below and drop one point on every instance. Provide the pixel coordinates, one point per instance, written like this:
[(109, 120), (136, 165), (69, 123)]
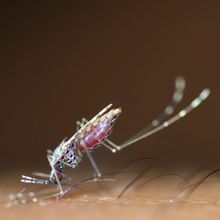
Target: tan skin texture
[(147, 198)]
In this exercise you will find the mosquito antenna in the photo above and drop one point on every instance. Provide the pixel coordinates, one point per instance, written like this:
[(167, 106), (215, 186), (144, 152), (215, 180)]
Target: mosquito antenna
[(28, 179)]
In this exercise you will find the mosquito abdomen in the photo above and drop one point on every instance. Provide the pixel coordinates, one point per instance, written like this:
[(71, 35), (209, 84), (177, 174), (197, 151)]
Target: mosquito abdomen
[(95, 135), (98, 131)]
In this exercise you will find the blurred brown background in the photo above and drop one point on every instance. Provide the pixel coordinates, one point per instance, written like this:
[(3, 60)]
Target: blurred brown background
[(60, 61)]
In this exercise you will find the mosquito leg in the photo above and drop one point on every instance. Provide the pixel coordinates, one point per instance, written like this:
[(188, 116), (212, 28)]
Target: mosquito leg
[(97, 171), (169, 109), (194, 104), (54, 171)]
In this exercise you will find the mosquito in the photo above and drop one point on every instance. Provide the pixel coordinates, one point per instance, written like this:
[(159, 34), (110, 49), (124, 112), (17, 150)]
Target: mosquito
[(93, 133)]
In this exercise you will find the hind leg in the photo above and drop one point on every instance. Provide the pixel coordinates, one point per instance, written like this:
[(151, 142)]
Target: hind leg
[(164, 119)]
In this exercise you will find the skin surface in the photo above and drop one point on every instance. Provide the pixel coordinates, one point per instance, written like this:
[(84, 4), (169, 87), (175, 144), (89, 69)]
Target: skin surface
[(150, 196)]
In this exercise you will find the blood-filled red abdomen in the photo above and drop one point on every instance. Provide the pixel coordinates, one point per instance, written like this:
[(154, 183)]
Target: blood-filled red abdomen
[(96, 134)]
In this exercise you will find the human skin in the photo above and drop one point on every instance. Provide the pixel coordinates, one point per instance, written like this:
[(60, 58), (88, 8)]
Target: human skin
[(149, 197)]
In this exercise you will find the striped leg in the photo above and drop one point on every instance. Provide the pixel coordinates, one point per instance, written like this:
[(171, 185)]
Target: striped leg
[(162, 122), (169, 109), (195, 103)]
